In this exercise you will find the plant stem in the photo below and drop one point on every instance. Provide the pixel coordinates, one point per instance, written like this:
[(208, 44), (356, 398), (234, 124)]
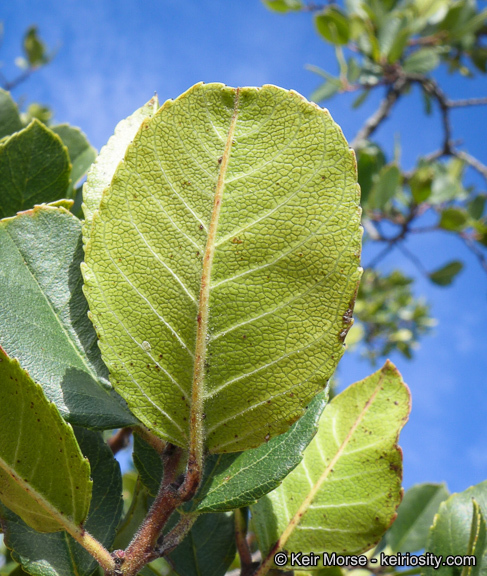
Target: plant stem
[(178, 533), (151, 439), (95, 548), (243, 549), (119, 440)]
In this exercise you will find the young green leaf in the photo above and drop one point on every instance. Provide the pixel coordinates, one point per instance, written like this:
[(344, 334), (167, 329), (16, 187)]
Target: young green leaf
[(326, 90), (59, 554), (101, 173), (453, 219), (386, 187), (476, 207), (40, 282), (459, 530), (223, 264), (344, 494), (34, 48), (9, 115), (209, 549), (43, 475), (333, 25), (415, 516), (445, 275), (422, 61), (41, 172), (81, 153), (283, 6)]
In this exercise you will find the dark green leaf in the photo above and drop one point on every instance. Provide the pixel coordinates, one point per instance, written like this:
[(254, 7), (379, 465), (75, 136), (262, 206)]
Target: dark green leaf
[(479, 58), (445, 275), (420, 183), (333, 25), (209, 549), (41, 169), (34, 48), (453, 219), (422, 61), (456, 530), (476, 207), (149, 465), (370, 160), (42, 299), (58, 554), (238, 480), (81, 154), (386, 187), (9, 115), (415, 516), (428, 108)]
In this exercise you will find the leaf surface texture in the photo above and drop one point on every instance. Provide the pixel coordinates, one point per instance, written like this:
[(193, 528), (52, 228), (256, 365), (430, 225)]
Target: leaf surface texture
[(223, 263), (43, 316)]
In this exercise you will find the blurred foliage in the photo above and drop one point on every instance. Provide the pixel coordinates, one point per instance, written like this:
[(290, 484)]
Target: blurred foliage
[(35, 55), (390, 317), (392, 46)]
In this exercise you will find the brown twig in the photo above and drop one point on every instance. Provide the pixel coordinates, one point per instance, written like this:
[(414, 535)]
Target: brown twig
[(471, 161), (150, 438), (374, 121), (241, 525), (176, 535), (120, 440), (467, 102)]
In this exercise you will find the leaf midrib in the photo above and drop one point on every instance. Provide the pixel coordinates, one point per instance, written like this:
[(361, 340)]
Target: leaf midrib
[(197, 397), (53, 512)]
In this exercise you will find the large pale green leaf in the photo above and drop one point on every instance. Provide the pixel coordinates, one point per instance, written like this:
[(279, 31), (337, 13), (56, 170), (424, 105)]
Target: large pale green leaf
[(239, 479), (459, 530), (34, 168), (344, 494), (223, 263), (58, 554), (415, 516), (209, 549), (43, 475), (101, 173), (43, 316), (81, 153), (9, 115)]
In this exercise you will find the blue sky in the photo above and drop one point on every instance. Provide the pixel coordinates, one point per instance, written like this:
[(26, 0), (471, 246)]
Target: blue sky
[(112, 56)]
